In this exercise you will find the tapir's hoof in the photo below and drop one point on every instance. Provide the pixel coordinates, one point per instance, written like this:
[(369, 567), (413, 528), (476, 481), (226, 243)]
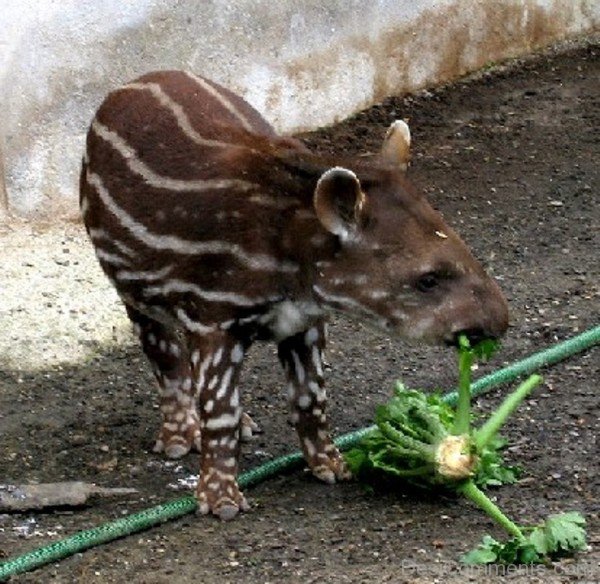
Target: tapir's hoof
[(331, 467), (220, 496), (248, 428), (176, 440)]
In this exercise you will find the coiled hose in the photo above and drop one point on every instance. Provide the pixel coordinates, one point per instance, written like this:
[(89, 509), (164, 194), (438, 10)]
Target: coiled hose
[(161, 513)]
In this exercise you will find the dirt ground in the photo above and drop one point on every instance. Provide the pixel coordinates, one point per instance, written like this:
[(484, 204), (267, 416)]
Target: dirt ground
[(511, 157)]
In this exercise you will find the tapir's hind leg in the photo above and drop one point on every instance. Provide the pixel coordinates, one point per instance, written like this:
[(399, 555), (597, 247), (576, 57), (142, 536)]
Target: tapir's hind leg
[(301, 359), (172, 364)]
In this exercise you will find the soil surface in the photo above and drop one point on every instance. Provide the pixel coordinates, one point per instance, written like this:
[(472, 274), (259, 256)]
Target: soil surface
[(510, 156)]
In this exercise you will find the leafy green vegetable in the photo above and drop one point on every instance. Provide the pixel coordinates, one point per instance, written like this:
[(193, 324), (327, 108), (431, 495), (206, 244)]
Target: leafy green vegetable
[(420, 439), (560, 534), (413, 440)]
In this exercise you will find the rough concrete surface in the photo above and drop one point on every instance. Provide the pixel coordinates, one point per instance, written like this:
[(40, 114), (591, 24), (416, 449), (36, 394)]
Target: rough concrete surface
[(56, 306), (303, 65)]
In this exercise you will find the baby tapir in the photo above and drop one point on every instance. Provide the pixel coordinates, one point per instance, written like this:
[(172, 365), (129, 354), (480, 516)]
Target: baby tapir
[(217, 232)]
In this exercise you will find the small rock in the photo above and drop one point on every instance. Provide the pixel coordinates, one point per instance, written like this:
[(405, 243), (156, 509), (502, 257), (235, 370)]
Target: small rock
[(78, 440)]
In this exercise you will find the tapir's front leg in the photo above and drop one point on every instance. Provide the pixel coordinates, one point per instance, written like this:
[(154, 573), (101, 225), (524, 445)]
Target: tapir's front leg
[(217, 371), (301, 358)]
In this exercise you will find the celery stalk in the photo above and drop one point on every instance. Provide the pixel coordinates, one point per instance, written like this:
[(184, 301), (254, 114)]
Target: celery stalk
[(462, 420), (470, 490), (485, 433)]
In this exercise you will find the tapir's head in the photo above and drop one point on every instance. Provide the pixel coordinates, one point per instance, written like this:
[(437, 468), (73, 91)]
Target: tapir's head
[(397, 263)]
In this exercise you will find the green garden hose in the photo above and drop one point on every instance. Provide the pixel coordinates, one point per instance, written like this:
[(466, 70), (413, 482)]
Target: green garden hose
[(161, 513)]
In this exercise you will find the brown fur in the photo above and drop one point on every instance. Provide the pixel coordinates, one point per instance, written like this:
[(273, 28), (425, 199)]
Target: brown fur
[(217, 232)]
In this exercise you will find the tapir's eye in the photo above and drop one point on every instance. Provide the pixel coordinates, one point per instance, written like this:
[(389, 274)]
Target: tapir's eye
[(428, 282)]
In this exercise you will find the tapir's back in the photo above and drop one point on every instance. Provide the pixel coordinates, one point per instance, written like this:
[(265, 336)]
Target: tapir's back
[(167, 209), (171, 104)]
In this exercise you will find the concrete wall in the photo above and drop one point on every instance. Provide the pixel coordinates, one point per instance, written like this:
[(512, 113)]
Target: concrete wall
[(303, 64)]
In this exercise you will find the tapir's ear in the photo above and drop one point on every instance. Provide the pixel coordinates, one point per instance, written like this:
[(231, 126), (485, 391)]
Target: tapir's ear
[(396, 145), (339, 202)]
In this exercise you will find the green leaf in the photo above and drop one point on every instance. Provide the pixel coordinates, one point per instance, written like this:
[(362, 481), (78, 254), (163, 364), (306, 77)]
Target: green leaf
[(485, 349), (482, 350), (484, 553), (357, 460), (565, 532), (538, 539), (492, 471), (560, 534), (528, 554), (511, 552)]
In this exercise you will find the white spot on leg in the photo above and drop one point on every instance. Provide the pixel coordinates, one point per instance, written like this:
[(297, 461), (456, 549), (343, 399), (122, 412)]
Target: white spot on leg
[(299, 368), (237, 353), (310, 447), (184, 399), (170, 387), (316, 359), (162, 345), (304, 401), (167, 408), (314, 387), (225, 383), (224, 421), (311, 336), (318, 391), (202, 371), (151, 338), (218, 356), (323, 435)]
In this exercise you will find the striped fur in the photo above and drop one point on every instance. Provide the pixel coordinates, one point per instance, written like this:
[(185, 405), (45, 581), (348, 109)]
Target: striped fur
[(216, 232)]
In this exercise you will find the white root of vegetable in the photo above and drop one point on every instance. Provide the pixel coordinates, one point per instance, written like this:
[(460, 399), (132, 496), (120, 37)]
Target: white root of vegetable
[(454, 458)]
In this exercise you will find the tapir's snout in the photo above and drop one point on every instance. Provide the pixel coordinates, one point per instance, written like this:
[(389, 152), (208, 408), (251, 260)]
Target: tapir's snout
[(488, 316)]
